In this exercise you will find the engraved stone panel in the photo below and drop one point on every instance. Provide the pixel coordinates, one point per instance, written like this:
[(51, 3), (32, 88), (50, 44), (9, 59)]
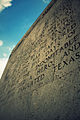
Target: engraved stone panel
[(42, 78)]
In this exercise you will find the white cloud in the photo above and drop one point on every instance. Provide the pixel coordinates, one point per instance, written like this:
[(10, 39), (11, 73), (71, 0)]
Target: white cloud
[(3, 62), (46, 1), (1, 42), (4, 54), (4, 4), (10, 48)]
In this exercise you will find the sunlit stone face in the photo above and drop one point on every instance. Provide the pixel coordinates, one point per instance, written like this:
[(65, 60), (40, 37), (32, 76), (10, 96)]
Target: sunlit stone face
[(42, 78)]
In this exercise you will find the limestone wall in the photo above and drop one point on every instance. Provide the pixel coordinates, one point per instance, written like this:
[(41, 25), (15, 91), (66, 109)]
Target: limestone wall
[(42, 78)]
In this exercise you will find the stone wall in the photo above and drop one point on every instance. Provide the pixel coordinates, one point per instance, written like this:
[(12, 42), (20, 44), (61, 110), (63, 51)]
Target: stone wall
[(42, 78)]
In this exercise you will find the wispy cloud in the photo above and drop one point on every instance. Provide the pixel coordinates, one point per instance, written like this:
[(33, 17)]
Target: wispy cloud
[(4, 54), (46, 1), (1, 42), (10, 48), (4, 4), (3, 62)]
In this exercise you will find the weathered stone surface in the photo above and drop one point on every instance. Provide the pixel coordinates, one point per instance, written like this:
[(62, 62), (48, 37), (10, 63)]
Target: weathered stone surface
[(42, 78)]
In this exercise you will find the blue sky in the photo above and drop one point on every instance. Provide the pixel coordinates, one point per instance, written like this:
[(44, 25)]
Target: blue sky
[(16, 16)]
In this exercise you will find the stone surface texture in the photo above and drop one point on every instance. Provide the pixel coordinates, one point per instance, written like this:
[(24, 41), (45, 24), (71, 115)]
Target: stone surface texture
[(42, 78)]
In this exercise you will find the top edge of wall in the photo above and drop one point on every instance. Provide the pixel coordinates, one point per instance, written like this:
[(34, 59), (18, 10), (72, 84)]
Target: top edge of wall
[(34, 24)]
